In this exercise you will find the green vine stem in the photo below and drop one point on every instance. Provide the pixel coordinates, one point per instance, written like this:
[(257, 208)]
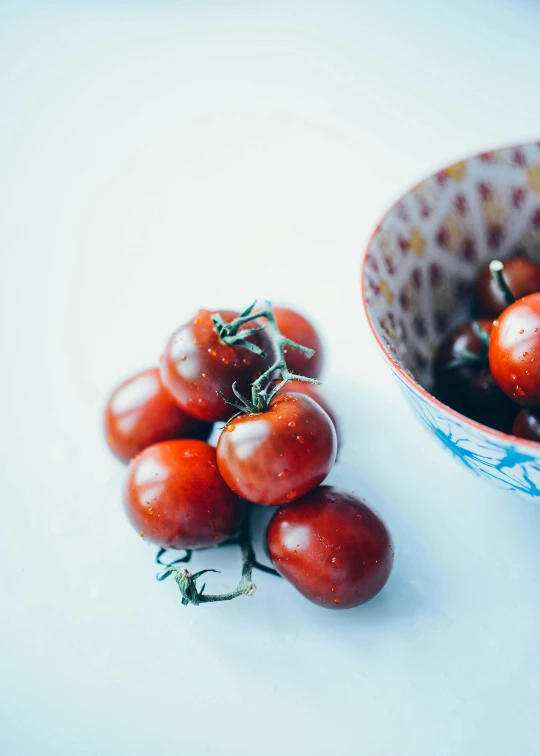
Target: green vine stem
[(264, 388), (184, 559), (496, 269), (187, 581), (230, 334)]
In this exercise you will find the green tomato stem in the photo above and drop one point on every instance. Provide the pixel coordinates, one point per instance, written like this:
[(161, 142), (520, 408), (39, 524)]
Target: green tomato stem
[(187, 581), (264, 388), (496, 270)]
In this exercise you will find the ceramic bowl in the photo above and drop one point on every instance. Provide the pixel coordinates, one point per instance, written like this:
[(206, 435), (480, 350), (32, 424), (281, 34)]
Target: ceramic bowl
[(417, 277)]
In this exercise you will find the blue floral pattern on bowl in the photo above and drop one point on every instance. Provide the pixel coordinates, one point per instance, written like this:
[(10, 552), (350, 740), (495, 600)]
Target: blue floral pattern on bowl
[(509, 465)]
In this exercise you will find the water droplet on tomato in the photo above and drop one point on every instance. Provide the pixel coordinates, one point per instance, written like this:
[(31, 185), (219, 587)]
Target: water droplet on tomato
[(143, 534), (300, 439), (230, 428), (336, 561), (513, 376), (183, 357), (247, 362), (526, 372), (291, 494), (205, 376), (283, 474), (201, 402), (520, 391), (536, 330), (292, 424), (358, 517), (212, 352), (525, 355), (334, 589), (336, 601), (522, 330)]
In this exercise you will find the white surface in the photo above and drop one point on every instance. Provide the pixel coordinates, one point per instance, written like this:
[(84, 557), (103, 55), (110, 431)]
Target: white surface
[(155, 158)]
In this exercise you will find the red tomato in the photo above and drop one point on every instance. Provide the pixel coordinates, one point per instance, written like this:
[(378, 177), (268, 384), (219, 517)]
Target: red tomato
[(313, 391), (279, 455), (296, 328), (470, 388), (140, 412), (527, 424), (521, 275), (514, 351), (332, 547), (176, 498), (196, 364)]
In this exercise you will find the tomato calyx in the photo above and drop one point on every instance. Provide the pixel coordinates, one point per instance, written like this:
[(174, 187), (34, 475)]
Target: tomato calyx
[(187, 581), (496, 270), (266, 386), (471, 359), (230, 334)]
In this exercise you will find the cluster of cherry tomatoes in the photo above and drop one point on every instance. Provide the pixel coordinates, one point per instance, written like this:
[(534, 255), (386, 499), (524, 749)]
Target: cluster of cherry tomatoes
[(489, 368), (254, 374)]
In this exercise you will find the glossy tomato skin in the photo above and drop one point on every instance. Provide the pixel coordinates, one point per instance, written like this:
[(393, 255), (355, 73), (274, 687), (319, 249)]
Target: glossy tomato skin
[(527, 424), (141, 412), (279, 455), (521, 275), (332, 547), (471, 389), (196, 364), (514, 351), (315, 393), (175, 497), (297, 328)]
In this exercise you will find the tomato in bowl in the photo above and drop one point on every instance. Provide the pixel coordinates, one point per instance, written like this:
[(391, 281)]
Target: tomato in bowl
[(419, 274)]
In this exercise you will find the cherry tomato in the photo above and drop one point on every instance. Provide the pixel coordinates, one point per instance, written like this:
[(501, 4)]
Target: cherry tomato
[(332, 547), (514, 350), (140, 412), (471, 389), (279, 455), (296, 328), (527, 424), (313, 391), (196, 364), (521, 275), (176, 498)]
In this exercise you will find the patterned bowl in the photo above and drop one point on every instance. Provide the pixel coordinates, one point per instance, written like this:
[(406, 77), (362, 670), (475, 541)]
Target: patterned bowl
[(417, 276)]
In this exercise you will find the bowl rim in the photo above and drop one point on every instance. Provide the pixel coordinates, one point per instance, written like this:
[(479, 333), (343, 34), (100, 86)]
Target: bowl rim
[(396, 367)]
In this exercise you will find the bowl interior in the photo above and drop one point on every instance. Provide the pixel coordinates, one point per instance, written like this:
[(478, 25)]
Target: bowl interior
[(422, 260)]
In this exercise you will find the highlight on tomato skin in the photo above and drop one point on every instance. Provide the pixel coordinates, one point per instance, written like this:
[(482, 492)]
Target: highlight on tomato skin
[(296, 327), (277, 456), (141, 412), (332, 547), (196, 365), (175, 497), (514, 351)]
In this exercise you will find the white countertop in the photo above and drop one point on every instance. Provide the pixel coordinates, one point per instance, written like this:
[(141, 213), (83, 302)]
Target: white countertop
[(157, 157)]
